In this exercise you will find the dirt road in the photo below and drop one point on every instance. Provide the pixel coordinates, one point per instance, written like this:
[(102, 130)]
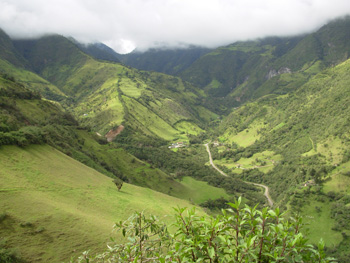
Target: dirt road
[(266, 193)]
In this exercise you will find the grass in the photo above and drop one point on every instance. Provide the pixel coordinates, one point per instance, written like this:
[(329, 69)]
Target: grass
[(36, 110), (319, 224), (228, 164), (205, 114), (188, 127), (168, 109), (243, 47), (313, 67), (214, 84), (65, 206), (338, 182), (332, 148), (130, 88), (244, 138), (151, 123), (102, 110), (137, 171), (199, 192), (254, 162), (112, 94), (279, 126), (30, 79)]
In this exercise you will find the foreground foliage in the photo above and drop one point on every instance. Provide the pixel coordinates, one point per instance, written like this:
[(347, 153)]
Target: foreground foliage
[(238, 235)]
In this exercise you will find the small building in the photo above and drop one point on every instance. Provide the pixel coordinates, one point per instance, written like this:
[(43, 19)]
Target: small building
[(177, 145)]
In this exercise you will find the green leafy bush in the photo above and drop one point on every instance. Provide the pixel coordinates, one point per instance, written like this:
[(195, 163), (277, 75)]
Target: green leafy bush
[(240, 234)]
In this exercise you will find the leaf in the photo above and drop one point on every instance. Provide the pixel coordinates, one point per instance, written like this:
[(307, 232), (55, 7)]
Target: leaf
[(321, 244), (211, 252), (272, 213)]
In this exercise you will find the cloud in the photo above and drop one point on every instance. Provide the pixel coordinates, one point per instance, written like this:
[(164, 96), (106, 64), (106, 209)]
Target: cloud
[(125, 24)]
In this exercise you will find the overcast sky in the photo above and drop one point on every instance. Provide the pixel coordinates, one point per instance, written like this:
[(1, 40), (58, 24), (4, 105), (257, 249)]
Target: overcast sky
[(126, 24)]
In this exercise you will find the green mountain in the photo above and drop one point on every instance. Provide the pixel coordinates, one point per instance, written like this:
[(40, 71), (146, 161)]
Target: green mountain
[(249, 70), (15, 65), (8, 51), (169, 61), (102, 94), (99, 51), (234, 74)]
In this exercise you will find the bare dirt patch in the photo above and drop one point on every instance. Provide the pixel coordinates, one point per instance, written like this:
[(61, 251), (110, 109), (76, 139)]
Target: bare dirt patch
[(114, 133)]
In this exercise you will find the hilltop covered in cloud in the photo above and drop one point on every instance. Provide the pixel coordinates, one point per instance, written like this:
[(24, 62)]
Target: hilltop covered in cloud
[(127, 24)]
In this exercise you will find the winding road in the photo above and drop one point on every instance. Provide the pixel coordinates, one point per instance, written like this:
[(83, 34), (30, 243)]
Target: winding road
[(266, 193)]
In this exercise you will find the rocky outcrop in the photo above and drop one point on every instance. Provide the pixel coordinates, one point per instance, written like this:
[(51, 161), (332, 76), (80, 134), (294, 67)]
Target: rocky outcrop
[(273, 73)]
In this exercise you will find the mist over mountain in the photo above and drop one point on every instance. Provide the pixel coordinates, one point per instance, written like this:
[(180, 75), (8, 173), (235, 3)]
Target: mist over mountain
[(127, 25)]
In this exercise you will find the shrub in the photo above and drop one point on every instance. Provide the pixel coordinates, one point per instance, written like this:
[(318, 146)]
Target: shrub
[(118, 182), (238, 235)]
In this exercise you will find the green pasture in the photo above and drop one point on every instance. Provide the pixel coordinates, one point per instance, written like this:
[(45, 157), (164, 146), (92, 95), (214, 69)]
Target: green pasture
[(149, 120), (264, 161), (188, 127), (319, 222), (339, 181), (244, 138), (199, 192), (332, 148)]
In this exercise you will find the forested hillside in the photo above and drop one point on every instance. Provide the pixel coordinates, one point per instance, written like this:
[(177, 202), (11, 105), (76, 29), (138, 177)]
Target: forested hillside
[(298, 144), (169, 61)]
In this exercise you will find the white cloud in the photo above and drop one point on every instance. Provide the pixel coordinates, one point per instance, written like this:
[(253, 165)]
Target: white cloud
[(124, 24)]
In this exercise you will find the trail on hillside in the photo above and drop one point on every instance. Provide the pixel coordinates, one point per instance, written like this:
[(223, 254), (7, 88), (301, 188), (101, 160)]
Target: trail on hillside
[(266, 193)]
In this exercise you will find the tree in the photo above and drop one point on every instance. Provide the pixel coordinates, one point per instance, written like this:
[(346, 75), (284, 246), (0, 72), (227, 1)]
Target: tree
[(118, 182), (240, 234)]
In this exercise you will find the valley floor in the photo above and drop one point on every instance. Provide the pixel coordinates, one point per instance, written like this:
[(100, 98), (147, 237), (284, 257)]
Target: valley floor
[(266, 188)]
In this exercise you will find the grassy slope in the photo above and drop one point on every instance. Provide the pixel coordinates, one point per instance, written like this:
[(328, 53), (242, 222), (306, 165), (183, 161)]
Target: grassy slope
[(243, 138), (121, 95), (263, 161), (57, 207), (199, 192), (319, 223), (129, 98), (32, 81), (148, 121)]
